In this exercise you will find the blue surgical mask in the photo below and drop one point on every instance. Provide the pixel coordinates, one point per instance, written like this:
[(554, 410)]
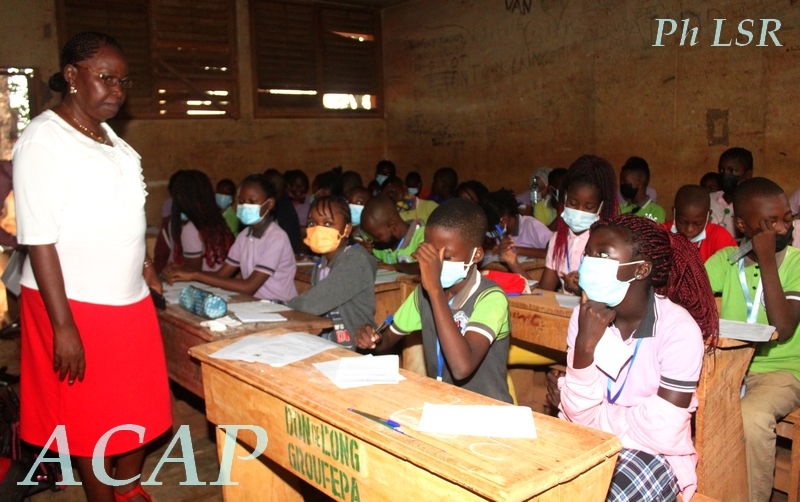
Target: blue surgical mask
[(250, 214), (413, 191), (223, 201), (455, 271), (184, 218), (698, 238), (380, 178), (580, 221), (355, 214), (598, 279)]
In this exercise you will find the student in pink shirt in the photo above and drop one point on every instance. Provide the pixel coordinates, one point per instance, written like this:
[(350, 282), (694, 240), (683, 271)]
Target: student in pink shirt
[(645, 294), (262, 251)]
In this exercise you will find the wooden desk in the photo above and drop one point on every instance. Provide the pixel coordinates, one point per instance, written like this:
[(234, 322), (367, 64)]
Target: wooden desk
[(534, 267), (181, 330), (313, 436), (719, 435)]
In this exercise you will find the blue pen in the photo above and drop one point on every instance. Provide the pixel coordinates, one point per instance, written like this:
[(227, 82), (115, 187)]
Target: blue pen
[(386, 324), (386, 422), (501, 233)]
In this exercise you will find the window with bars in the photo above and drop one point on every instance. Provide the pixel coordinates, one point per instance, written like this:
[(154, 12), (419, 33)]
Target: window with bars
[(181, 53), (311, 59)]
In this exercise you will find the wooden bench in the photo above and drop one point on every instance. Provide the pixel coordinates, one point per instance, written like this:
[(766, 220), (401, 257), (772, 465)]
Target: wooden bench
[(787, 465)]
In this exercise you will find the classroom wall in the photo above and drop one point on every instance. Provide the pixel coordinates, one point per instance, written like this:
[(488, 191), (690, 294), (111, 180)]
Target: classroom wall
[(220, 147), (499, 88)]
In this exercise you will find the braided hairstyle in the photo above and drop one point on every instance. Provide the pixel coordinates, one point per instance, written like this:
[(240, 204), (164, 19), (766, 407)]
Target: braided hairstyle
[(193, 195), (327, 204), (678, 271), (79, 48), (588, 170)]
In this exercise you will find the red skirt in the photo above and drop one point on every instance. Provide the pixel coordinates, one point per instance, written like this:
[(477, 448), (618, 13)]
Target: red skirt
[(125, 381)]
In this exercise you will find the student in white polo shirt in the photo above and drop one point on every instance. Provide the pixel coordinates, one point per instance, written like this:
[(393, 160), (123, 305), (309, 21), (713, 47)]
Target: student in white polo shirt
[(262, 251)]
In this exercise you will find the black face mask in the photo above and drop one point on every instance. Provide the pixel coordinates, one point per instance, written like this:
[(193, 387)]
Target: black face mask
[(627, 191), (728, 182), (383, 246), (783, 240)]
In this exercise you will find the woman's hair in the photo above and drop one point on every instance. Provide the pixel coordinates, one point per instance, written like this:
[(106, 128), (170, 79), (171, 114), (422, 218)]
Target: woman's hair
[(327, 204), (193, 195), (479, 189), (263, 182), (498, 204), (329, 180), (678, 271), (588, 170), (79, 48)]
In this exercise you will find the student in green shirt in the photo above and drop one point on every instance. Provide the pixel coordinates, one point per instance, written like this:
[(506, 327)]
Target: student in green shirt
[(764, 288), (633, 181), (394, 241), (224, 194)]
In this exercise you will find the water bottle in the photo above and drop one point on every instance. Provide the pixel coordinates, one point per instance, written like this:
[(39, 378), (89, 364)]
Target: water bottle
[(202, 303), (536, 194)]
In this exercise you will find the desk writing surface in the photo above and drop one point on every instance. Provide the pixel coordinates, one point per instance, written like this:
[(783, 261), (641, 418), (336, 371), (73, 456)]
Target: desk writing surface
[(504, 469)]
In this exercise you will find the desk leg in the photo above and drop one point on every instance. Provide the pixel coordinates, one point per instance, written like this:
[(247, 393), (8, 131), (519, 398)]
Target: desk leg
[(719, 434), (260, 476)]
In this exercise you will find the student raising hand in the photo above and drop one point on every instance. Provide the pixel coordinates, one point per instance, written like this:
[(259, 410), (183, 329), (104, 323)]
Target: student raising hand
[(430, 265)]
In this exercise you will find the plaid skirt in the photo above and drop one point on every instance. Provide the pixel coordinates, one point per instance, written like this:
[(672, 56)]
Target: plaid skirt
[(642, 477)]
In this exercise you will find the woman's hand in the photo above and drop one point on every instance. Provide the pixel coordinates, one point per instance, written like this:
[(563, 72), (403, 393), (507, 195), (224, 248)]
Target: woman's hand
[(430, 266), (68, 359), (593, 320), (507, 251), (571, 282), (176, 274)]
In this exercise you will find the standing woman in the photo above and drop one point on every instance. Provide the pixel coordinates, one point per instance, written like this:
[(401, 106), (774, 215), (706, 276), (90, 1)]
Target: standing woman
[(92, 357)]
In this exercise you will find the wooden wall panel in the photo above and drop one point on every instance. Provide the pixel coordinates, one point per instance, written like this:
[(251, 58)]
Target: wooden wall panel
[(487, 86)]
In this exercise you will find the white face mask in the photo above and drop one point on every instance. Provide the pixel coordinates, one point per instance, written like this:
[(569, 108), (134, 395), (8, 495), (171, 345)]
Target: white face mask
[(598, 279), (580, 221), (455, 271), (697, 238)]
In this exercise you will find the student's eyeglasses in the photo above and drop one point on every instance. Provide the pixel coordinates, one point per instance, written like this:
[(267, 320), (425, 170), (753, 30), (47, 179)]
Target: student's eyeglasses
[(109, 80)]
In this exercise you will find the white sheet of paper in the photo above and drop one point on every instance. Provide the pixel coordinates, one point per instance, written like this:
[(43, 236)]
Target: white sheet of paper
[(386, 276), (738, 330), (259, 311), (568, 301), (350, 372), (477, 420), (611, 354), (275, 350)]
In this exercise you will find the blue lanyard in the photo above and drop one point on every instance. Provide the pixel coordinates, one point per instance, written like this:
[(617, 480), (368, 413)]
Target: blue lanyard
[(396, 251), (630, 367), (752, 303), (439, 355), (569, 258)]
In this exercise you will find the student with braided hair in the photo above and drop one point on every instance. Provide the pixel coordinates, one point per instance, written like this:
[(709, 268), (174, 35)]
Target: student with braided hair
[(646, 296), (588, 194)]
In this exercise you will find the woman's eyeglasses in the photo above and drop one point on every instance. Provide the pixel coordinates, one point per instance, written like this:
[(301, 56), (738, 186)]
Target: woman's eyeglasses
[(109, 80)]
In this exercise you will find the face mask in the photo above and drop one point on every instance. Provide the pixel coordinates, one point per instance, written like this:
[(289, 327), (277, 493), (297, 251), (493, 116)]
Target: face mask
[(250, 214), (321, 239), (628, 191), (598, 278), (728, 182), (383, 246), (783, 240), (697, 238), (380, 178), (580, 221), (223, 201), (355, 214), (455, 271), (413, 191), (184, 218)]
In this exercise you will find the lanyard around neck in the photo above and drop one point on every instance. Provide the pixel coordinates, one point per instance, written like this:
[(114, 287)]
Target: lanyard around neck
[(396, 255), (630, 368), (752, 303), (439, 355)]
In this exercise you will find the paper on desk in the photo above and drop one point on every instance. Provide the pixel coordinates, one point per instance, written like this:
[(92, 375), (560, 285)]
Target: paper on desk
[(386, 276), (258, 311), (350, 372), (276, 351), (172, 293), (568, 301), (477, 420), (611, 354), (747, 332), (221, 323)]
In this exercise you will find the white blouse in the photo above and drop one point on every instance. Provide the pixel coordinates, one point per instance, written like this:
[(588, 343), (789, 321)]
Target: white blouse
[(88, 199)]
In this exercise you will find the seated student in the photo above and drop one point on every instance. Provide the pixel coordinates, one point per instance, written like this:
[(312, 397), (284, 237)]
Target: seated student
[(284, 211), (690, 217), (343, 282), (415, 187), (410, 206), (445, 181), (647, 289), (261, 252), (297, 185), (350, 180), (163, 247), (327, 183), (542, 176), (769, 294), (735, 166), (526, 234), (589, 194), (199, 235), (633, 180), (546, 210), (471, 352), (357, 198), (472, 190), (710, 181), (393, 240), (224, 193), (383, 171)]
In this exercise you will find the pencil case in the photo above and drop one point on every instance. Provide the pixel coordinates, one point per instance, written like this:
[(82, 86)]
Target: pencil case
[(202, 303)]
